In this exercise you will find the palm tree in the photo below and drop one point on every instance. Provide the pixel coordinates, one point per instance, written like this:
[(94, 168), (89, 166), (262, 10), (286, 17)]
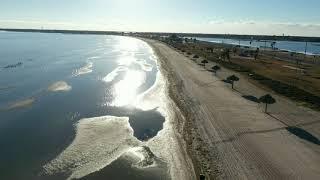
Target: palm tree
[(234, 50), (204, 62), (215, 69), (267, 99), (226, 54), (210, 49), (232, 79), (256, 54)]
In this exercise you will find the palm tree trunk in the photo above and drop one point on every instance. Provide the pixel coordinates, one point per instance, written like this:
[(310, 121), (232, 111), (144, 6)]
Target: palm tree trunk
[(265, 110), (232, 84)]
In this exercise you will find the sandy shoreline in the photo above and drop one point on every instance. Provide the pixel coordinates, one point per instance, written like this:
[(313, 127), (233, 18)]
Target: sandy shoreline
[(227, 136)]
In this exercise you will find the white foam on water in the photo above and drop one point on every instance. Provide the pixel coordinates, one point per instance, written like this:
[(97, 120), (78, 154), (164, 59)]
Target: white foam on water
[(166, 144), (98, 142), (144, 65), (94, 57), (154, 97), (112, 75), (59, 86), (83, 70)]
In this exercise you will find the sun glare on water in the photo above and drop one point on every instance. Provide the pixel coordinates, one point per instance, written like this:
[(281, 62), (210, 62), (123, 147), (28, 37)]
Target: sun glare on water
[(128, 44), (125, 91)]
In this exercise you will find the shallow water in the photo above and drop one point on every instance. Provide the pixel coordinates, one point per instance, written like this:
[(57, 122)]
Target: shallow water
[(292, 46), (77, 104)]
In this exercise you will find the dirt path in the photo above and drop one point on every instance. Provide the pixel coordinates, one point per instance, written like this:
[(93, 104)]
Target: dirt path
[(229, 137)]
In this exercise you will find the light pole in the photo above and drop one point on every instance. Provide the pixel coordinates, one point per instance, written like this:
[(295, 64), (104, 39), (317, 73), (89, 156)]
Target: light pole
[(305, 48)]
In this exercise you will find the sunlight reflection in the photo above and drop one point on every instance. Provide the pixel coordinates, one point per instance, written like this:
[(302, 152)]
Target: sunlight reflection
[(127, 61), (125, 91), (128, 44)]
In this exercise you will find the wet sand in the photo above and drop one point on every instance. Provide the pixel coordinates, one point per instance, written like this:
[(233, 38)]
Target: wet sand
[(227, 136)]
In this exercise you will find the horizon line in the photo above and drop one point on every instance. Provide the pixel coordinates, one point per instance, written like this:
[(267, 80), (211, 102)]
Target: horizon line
[(147, 32)]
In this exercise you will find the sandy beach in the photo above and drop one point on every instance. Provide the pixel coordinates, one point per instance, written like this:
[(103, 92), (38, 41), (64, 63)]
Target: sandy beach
[(230, 137)]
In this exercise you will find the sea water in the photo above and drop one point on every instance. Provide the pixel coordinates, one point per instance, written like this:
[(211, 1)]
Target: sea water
[(79, 106)]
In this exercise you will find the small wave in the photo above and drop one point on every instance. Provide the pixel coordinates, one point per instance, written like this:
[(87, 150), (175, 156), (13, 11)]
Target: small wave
[(59, 86), (94, 57), (83, 70), (144, 65), (154, 97), (98, 142)]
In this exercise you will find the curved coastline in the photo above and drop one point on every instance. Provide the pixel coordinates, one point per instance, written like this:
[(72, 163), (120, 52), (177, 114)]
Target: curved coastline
[(182, 164), (169, 156)]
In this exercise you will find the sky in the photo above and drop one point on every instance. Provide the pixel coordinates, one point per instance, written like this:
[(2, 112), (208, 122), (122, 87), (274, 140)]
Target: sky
[(269, 17)]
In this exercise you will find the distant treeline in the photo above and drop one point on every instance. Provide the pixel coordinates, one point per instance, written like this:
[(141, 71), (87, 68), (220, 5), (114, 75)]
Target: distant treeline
[(227, 36)]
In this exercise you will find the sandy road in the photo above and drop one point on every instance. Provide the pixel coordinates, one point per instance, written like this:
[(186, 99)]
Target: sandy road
[(228, 136)]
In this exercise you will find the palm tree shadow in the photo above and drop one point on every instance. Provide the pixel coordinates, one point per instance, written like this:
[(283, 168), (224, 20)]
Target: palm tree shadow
[(303, 134), (248, 132), (210, 84), (299, 132), (251, 98), (226, 81)]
